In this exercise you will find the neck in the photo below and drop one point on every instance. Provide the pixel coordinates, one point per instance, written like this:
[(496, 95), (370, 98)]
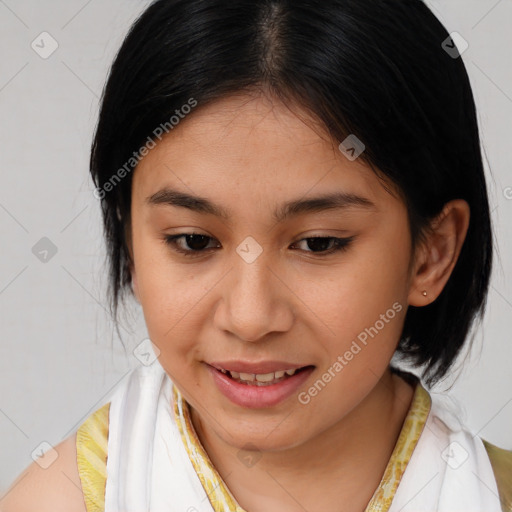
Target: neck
[(349, 473)]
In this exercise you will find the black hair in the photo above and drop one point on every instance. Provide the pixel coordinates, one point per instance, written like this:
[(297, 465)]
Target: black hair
[(378, 69)]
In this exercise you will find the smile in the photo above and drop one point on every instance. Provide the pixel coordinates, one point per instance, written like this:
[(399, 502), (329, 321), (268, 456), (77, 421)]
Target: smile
[(264, 386)]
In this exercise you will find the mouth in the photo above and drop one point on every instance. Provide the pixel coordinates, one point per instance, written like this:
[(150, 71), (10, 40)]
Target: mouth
[(261, 385)]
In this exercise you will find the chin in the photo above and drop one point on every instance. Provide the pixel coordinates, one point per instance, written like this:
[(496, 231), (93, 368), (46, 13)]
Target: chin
[(266, 438)]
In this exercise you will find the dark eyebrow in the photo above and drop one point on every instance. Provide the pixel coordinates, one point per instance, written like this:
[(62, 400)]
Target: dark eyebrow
[(335, 200)]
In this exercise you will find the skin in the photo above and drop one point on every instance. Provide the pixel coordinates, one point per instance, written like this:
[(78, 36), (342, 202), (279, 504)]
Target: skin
[(249, 154), (54, 489)]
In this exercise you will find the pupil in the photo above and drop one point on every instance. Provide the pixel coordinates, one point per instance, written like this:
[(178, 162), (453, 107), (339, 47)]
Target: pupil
[(203, 242), (319, 244)]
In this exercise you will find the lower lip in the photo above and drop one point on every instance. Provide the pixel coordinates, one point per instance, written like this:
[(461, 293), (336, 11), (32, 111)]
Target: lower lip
[(256, 397)]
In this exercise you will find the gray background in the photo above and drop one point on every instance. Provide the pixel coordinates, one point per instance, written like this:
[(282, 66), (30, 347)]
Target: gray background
[(59, 354)]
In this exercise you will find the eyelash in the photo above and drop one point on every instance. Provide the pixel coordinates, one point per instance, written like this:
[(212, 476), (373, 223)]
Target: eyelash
[(340, 244)]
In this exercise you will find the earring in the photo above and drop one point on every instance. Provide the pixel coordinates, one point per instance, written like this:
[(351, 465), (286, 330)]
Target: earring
[(424, 292)]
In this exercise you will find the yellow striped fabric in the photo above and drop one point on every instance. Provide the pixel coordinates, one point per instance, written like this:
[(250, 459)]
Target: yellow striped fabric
[(91, 454)]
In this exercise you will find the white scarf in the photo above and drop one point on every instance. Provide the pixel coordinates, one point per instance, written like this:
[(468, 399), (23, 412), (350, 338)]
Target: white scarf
[(149, 469)]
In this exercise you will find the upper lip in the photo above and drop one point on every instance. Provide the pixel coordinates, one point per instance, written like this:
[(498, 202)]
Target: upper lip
[(261, 367)]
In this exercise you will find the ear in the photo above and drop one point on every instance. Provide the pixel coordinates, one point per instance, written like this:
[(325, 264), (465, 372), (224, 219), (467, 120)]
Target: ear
[(437, 255)]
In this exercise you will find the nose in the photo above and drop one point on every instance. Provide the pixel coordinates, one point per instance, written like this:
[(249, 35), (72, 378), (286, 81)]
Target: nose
[(254, 301)]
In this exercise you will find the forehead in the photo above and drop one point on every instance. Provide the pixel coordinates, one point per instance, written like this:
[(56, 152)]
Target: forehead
[(251, 149)]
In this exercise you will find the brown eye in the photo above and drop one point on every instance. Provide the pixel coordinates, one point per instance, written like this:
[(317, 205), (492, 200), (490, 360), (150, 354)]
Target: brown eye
[(326, 245), (188, 243)]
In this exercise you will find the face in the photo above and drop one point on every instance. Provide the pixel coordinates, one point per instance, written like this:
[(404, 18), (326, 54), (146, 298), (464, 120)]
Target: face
[(258, 247)]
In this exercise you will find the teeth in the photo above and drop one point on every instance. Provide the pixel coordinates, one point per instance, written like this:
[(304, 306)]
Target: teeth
[(260, 377), (265, 377)]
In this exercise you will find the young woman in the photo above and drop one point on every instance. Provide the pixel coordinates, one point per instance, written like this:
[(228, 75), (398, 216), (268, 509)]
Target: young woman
[(294, 193)]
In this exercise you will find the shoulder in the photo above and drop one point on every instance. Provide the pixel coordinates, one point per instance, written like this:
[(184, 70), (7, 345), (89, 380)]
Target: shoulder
[(73, 482), (54, 489), (501, 461)]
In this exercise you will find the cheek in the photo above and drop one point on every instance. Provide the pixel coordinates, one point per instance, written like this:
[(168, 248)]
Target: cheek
[(362, 306), (168, 303), (353, 294), (168, 293)]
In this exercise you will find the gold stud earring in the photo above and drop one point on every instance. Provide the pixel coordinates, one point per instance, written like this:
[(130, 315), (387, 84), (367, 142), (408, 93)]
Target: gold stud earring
[(424, 292)]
